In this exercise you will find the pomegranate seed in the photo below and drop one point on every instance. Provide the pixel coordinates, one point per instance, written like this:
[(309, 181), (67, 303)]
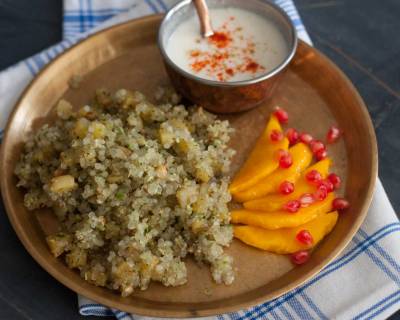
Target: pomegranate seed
[(285, 159), (333, 134), (321, 193), (306, 138), (335, 180), (305, 237), (340, 203), (300, 257), (313, 176), (286, 187), (316, 146), (292, 206), (281, 153), (321, 154), (306, 200), (327, 184), (292, 135), (276, 136), (281, 115)]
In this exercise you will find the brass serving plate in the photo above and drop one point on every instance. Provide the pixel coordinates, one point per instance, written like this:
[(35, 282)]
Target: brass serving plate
[(314, 91)]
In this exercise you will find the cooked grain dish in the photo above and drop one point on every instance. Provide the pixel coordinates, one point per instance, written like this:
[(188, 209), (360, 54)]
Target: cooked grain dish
[(136, 188)]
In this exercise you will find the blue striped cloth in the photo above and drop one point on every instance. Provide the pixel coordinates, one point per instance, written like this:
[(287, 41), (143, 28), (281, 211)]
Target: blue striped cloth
[(363, 283)]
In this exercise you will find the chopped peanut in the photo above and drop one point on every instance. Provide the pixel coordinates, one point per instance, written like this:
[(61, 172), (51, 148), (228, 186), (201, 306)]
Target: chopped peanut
[(126, 151), (98, 130), (198, 226), (87, 112), (161, 171), (58, 172), (62, 184), (58, 243), (64, 109), (76, 258), (81, 127)]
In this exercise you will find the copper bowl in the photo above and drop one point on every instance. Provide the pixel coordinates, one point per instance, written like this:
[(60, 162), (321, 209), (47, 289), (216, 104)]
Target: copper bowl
[(226, 97)]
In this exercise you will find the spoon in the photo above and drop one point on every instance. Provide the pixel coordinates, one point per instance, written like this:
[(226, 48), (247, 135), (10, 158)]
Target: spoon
[(204, 17)]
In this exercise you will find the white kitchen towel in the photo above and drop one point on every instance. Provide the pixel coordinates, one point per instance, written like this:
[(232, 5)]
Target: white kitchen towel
[(362, 283)]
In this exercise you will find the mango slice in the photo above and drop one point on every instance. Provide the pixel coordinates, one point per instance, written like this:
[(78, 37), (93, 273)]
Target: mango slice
[(283, 241), (275, 202), (282, 219), (301, 156), (262, 160)]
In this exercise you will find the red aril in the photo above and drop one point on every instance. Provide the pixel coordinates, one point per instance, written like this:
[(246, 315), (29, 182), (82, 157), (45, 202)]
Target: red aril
[(316, 145), (276, 136), (321, 193), (306, 138), (281, 115), (313, 176), (281, 153), (329, 185), (305, 237), (335, 180), (333, 134), (340, 204), (300, 257), (306, 200), (285, 159), (292, 135), (286, 187), (321, 154), (292, 206)]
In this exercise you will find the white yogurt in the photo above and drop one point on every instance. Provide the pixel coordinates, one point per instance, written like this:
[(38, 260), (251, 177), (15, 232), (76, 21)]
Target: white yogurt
[(244, 46)]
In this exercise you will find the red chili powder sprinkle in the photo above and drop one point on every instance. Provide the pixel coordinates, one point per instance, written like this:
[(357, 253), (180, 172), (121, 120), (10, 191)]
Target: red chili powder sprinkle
[(197, 66), (220, 39), (230, 71), (224, 58), (252, 66), (194, 53)]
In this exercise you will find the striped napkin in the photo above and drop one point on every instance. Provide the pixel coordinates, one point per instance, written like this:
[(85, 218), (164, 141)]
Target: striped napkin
[(363, 283)]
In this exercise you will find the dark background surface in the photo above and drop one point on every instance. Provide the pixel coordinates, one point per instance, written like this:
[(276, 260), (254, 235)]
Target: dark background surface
[(361, 36)]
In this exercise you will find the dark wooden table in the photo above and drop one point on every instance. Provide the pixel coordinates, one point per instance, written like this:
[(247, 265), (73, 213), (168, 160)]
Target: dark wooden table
[(361, 36)]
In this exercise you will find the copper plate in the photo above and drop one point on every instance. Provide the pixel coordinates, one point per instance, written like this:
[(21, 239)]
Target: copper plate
[(314, 91)]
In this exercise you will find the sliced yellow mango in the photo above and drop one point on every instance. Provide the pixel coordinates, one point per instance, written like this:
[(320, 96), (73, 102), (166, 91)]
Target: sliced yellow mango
[(282, 219), (275, 202), (283, 241), (262, 160), (301, 156)]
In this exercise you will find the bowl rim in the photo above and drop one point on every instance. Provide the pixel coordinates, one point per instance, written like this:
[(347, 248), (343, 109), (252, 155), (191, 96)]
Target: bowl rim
[(266, 3), (140, 309)]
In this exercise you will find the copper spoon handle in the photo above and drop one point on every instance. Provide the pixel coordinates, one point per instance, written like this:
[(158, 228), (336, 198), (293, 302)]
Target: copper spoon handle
[(204, 17)]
